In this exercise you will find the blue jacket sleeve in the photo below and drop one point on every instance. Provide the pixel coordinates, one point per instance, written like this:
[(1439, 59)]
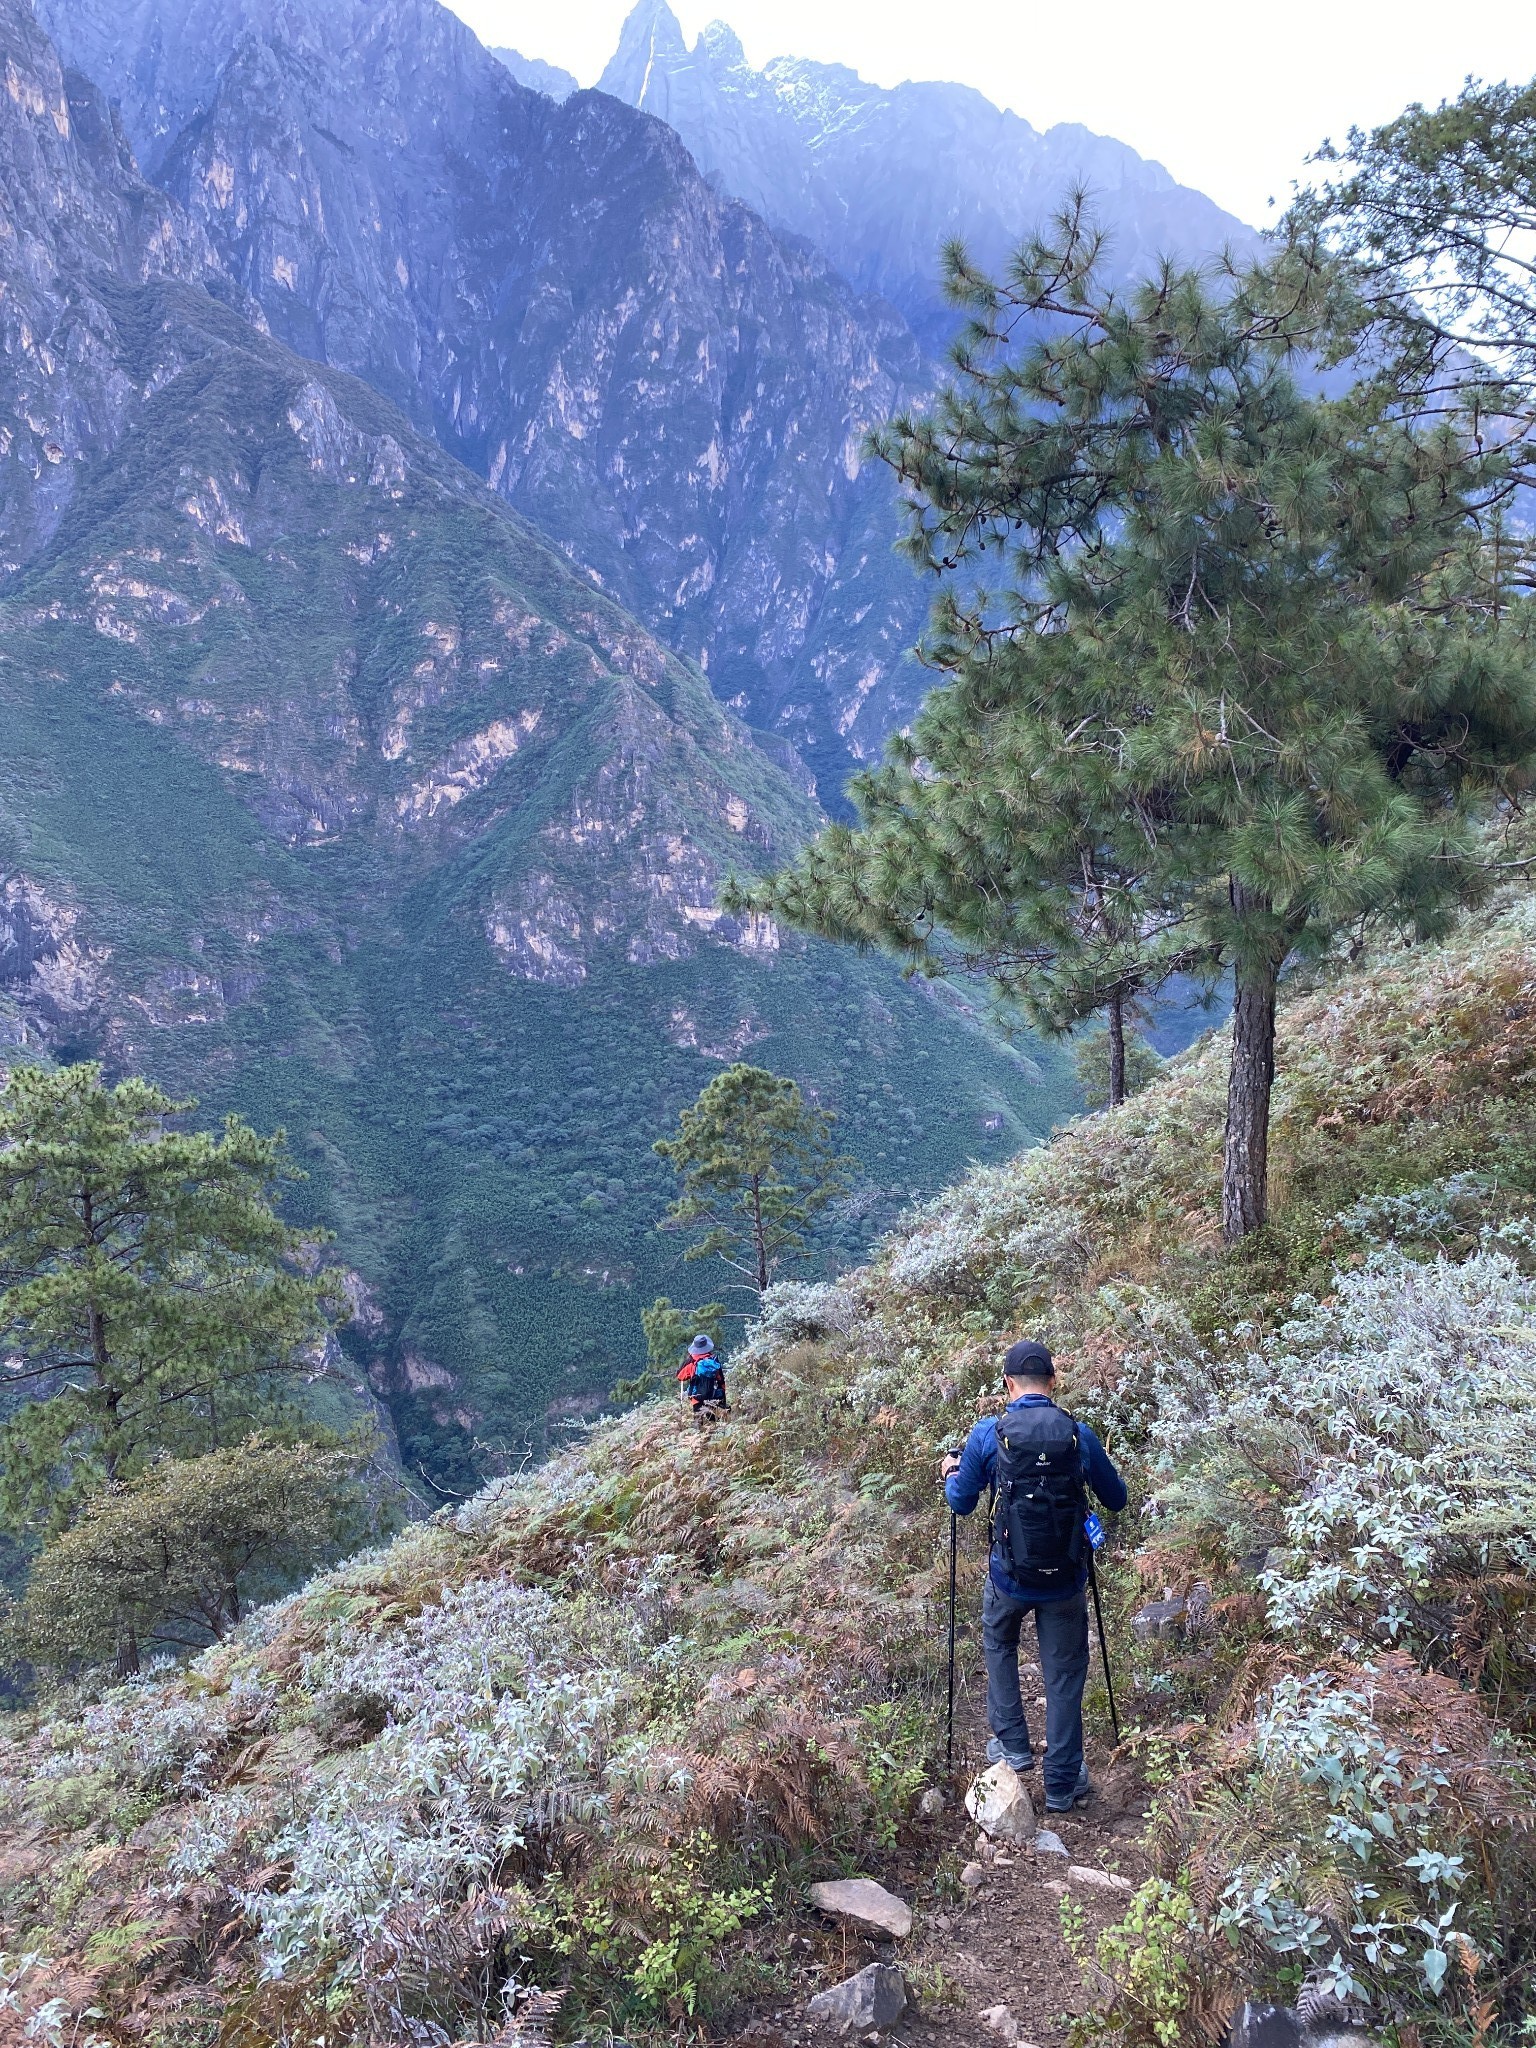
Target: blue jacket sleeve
[(962, 1489), (1099, 1472)]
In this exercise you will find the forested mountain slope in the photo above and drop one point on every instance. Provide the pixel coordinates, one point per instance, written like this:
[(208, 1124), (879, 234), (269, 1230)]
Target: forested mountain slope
[(879, 178), (675, 395), (331, 793), (600, 1726)]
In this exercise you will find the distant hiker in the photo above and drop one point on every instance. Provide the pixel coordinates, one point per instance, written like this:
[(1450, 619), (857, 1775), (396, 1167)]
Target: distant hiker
[(1039, 1459), (702, 1378)]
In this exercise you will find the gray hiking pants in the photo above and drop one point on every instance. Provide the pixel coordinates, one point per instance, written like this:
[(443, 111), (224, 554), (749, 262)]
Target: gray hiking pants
[(1061, 1630)]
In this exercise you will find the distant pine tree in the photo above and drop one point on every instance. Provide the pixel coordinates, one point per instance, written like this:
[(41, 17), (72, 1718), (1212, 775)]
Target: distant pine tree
[(1424, 230), (1108, 1072), (756, 1163)]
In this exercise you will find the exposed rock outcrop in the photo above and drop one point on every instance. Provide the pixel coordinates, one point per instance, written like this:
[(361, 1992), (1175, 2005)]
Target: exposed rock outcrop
[(554, 290)]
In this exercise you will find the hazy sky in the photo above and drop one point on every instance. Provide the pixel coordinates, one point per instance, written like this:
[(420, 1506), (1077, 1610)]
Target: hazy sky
[(1230, 96)]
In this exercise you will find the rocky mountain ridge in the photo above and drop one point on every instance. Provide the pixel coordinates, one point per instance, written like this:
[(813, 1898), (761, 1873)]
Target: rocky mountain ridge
[(538, 76), (879, 178), (675, 395), (76, 221)]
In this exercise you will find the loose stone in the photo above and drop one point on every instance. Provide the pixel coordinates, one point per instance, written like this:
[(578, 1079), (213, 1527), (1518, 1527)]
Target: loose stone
[(875, 1998), (865, 1905), (1000, 1805)]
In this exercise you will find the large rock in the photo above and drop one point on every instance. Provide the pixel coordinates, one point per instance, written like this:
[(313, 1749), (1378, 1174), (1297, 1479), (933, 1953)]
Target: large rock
[(865, 1905), (1258, 2025), (876, 1997), (1265, 2026), (1158, 1618), (1000, 1805)]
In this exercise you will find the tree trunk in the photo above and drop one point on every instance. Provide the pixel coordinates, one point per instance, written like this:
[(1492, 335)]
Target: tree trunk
[(759, 1237), (1250, 1080), (1116, 1050), (127, 1653)]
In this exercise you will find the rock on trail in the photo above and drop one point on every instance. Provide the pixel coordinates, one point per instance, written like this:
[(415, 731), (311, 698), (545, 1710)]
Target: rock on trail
[(1001, 1807), (875, 1998), (865, 1905)]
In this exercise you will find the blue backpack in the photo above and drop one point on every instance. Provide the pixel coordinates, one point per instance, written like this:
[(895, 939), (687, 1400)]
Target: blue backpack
[(708, 1382)]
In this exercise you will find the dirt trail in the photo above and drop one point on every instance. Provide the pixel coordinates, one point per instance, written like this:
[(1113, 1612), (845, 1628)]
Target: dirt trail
[(1001, 1944)]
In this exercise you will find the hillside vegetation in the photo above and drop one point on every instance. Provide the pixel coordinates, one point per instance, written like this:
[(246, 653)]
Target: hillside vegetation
[(598, 1726)]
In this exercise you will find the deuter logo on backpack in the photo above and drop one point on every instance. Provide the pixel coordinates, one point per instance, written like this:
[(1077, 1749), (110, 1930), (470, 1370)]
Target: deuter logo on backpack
[(1042, 1502)]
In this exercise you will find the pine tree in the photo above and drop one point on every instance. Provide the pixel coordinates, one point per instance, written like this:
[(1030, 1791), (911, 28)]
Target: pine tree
[(1007, 863), (173, 1559), (1424, 228), (151, 1298), (1228, 642), (756, 1164), (1107, 1073)]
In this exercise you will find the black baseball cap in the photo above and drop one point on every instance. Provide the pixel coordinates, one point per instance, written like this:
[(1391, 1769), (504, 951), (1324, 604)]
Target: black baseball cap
[(1028, 1359)]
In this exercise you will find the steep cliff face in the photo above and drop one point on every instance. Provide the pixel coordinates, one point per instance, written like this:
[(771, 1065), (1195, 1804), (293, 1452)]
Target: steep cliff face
[(76, 223), (879, 178), (675, 395), (330, 791)]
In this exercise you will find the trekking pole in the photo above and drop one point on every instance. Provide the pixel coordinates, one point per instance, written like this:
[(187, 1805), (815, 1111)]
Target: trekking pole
[(949, 1733), (1098, 1615)]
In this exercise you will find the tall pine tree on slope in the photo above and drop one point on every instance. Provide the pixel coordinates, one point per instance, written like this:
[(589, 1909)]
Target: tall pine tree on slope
[(756, 1164), (1240, 636)]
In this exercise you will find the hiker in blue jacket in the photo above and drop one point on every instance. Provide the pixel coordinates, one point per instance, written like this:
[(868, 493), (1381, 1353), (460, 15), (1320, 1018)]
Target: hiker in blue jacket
[(1039, 1458)]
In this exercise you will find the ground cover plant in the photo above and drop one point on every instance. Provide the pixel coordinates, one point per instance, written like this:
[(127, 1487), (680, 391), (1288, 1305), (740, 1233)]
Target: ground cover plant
[(595, 1728)]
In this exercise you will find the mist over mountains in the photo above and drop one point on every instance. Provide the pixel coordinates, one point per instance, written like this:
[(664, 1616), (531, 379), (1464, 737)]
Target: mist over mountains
[(435, 548)]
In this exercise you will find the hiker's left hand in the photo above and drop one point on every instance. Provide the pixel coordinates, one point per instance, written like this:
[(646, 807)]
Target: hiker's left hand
[(948, 1464)]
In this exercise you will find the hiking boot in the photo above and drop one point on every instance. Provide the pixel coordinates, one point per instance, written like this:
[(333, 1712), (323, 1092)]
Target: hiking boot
[(1081, 1792), (1022, 1760)]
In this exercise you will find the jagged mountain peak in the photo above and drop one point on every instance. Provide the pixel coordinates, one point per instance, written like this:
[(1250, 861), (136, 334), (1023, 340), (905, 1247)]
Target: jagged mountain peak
[(651, 33), (720, 43), (881, 177)]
